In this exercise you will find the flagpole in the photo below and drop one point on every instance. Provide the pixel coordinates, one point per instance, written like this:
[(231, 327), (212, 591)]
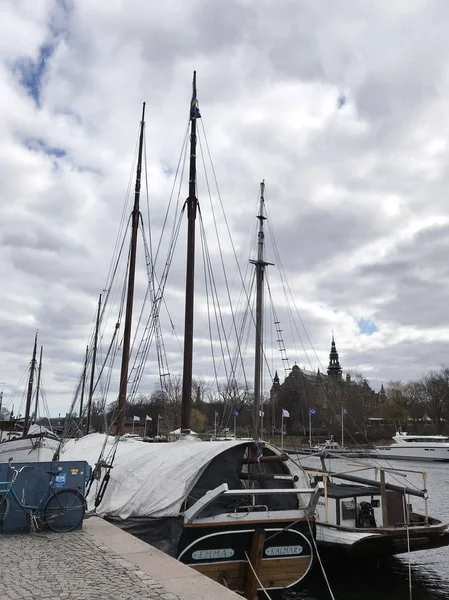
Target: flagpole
[(133, 424), (215, 425), (157, 433), (282, 429), (145, 427), (310, 428), (342, 426), (235, 428)]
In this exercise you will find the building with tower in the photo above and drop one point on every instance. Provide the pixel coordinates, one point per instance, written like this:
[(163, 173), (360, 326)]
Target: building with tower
[(326, 393)]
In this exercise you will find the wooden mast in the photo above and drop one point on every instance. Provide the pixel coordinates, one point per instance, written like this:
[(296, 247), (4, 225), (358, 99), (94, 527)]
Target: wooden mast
[(38, 387), (192, 204), (260, 265), (92, 370), (130, 291), (30, 389)]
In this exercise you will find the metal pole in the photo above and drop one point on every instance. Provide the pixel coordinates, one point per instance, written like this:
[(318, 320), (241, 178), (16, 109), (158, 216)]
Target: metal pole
[(92, 370), (39, 371), (157, 432), (83, 387), (215, 425), (383, 498), (342, 426), (133, 425), (310, 429), (30, 389), (145, 427), (235, 427), (282, 429)]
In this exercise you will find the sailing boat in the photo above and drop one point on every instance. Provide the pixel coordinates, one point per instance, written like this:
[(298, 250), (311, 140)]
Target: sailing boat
[(35, 443), (231, 510)]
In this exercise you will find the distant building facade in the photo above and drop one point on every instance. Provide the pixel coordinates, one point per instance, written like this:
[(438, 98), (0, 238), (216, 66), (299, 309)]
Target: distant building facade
[(326, 395)]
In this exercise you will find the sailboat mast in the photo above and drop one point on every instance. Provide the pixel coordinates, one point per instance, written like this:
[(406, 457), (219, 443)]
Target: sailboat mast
[(92, 370), (192, 204), (38, 388), (130, 291), (30, 389), (260, 265), (83, 387)]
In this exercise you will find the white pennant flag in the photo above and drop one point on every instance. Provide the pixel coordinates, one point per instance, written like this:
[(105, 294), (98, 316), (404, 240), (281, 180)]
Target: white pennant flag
[(147, 418), (285, 412)]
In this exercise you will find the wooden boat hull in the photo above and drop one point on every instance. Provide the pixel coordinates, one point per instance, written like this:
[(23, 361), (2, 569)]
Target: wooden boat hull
[(222, 553)]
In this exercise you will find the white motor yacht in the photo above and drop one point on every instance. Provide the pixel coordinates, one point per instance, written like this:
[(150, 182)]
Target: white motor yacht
[(416, 447)]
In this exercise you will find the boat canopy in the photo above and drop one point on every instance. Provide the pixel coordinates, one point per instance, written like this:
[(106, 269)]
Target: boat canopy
[(158, 480)]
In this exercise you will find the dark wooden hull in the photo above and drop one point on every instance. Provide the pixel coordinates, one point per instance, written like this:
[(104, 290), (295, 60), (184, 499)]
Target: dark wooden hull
[(221, 552)]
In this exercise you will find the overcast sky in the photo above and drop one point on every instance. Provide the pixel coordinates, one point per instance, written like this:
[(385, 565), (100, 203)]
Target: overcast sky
[(340, 106)]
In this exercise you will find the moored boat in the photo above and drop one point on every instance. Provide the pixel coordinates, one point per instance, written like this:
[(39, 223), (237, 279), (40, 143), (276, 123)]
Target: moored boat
[(230, 509), (415, 447)]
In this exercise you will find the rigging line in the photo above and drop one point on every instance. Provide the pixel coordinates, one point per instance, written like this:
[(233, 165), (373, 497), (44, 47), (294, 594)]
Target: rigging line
[(16, 389), (222, 207), (181, 161), (217, 233), (147, 195), (114, 335), (125, 208), (218, 311), (288, 296), (208, 312), (285, 280)]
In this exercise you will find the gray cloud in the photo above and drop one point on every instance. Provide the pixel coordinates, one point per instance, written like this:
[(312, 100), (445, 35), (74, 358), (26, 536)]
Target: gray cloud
[(356, 195)]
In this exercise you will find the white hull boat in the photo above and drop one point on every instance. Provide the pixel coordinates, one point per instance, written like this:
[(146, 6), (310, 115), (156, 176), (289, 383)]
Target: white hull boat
[(39, 445), (416, 447)]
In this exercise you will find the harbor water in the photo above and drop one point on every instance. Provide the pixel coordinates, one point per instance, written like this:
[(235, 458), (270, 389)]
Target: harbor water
[(428, 571)]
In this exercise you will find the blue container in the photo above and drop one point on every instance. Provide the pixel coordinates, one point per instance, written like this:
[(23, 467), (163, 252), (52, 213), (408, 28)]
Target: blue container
[(32, 488)]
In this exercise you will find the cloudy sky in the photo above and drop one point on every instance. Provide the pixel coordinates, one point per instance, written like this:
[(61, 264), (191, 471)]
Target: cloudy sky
[(340, 106)]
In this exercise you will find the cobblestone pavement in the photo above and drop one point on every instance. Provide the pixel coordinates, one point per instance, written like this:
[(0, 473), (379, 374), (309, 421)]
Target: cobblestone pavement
[(73, 566)]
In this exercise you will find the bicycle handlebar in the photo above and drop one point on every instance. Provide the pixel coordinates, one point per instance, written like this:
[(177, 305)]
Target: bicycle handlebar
[(17, 471)]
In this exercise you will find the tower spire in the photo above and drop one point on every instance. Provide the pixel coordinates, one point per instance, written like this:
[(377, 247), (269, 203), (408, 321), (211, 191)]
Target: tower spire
[(334, 369)]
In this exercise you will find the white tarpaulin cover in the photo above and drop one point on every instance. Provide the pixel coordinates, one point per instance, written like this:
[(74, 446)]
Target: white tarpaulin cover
[(147, 480)]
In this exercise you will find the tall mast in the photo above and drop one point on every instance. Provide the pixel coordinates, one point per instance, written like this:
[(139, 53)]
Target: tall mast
[(83, 387), (260, 265), (130, 292), (192, 204), (92, 370), (30, 388), (38, 388)]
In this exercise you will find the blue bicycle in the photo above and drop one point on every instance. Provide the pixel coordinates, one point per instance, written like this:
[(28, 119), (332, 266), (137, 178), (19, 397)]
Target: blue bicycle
[(61, 509)]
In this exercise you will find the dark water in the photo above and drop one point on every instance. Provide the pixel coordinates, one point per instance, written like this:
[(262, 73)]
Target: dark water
[(389, 580)]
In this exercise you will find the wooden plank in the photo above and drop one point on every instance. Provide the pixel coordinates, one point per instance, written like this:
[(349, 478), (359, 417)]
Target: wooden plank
[(264, 523), (273, 572), (255, 558), (233, 572)]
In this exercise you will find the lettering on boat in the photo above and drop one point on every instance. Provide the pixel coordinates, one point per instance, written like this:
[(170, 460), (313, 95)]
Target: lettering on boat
[(213, 554), (283, 550)]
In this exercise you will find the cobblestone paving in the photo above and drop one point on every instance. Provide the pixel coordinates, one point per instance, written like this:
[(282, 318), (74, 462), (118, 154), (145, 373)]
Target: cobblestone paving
[(73, 566)]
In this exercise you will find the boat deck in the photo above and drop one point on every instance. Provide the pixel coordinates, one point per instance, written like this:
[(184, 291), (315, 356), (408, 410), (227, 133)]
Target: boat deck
[(99, 562)]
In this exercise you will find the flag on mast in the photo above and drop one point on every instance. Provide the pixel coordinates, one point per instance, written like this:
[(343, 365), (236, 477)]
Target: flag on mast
[(147, 418), (135, 418), (285, 412)]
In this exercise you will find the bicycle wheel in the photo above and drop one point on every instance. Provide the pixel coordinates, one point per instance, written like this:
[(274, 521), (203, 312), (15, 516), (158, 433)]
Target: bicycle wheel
[(64, 511)]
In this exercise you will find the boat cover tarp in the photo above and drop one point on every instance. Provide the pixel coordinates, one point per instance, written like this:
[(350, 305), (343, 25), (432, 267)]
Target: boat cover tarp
[(149, 480)]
